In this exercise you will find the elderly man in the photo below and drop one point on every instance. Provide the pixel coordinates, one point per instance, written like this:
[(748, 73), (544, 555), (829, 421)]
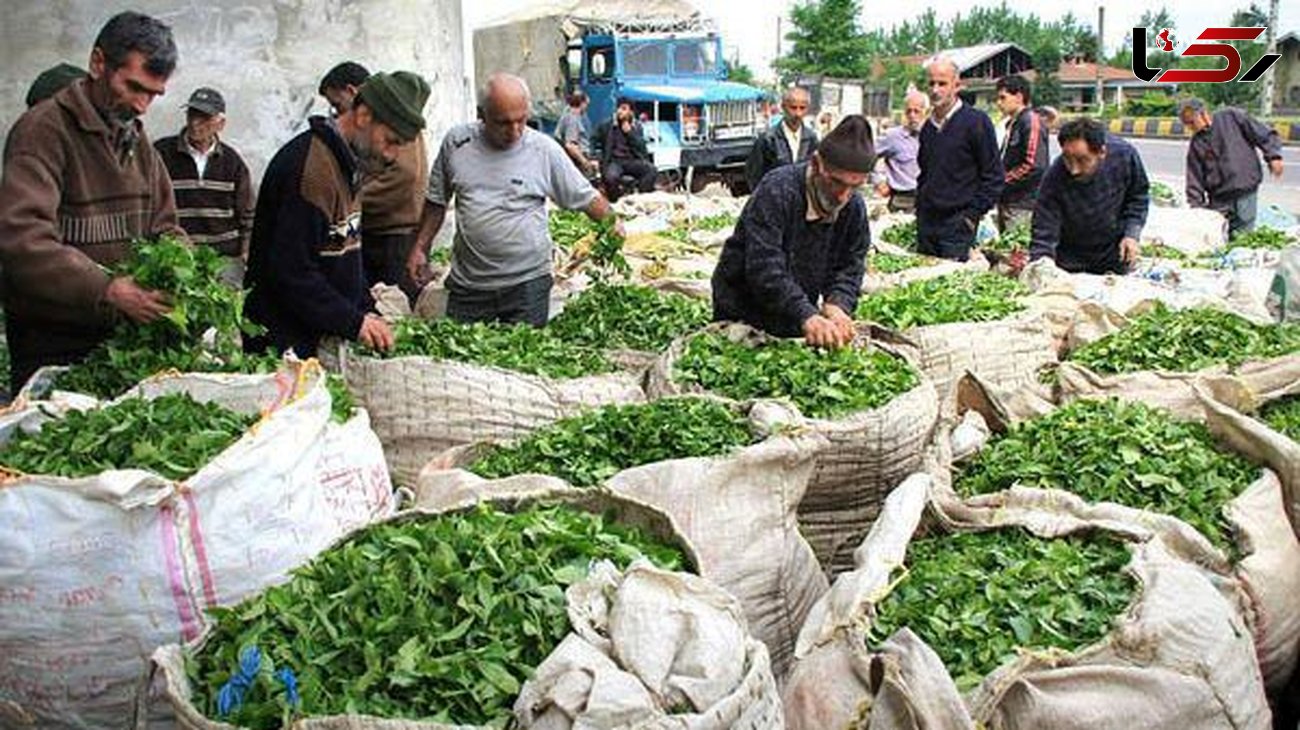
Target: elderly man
[(304, 266), (794, 265), (785, 143), (1223, 171), (500, 173), (898, 149), (214, 192), (392, 195), (81, 182), (961, 171), (1024, 152), (1093, 202), (573, 132)]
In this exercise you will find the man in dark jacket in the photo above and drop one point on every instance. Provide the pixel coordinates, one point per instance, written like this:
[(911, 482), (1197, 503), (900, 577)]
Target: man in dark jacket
[(961, 172), (784, 143), (1222, 165), (1093, 202), (304, 264), (214, 192), (624, 153), (1024, 152), (794, 265)]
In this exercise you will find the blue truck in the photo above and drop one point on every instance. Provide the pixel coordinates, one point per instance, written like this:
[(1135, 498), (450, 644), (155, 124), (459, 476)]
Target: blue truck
[(698, 126)]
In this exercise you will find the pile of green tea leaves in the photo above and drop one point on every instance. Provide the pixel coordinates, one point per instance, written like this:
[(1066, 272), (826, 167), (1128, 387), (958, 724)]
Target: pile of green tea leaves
[(628, 317), (172, 435), (439, 619), (901, 234), (1262, 237), (1126, 453), (1162, 194), (1283, 416), (342, 405), (960, 297), (821, 383), (1161, 251), (567, 227), (190, 276), (1016, 238), (1185, 340), (891, 263), (977, 597), (588, 449), (518, 347)]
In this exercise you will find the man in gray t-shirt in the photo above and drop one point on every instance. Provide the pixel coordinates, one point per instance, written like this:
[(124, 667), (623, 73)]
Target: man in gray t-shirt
[(574, 134), (500, 173)]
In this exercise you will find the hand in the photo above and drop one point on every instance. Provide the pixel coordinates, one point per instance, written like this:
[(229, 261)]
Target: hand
[(375, 333), (140, 305), (415, 261), (625, 125), (842, 321), (1275, 167), (1128, 250), (882, 189), (819, 331), (619, 230)]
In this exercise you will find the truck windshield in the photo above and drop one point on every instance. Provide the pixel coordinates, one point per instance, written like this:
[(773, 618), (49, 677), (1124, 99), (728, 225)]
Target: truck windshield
[(645, 59), (693, 58)]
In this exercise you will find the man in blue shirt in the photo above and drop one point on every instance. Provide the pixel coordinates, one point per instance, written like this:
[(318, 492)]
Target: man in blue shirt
[(1093, 202), (898, 149)]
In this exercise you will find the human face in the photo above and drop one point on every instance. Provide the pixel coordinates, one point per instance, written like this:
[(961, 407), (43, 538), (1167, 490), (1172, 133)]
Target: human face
[(201, 129), (623, 113), (914, 113), (793, 109), (374, 142), (340, 99), (1081, 162), (1196, 121), (833, 187), (944, 86), (131, 86), (1009, 104), (504, 120)]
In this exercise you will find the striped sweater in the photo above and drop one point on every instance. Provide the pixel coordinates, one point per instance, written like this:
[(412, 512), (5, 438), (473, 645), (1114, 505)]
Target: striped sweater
[(215, 209)]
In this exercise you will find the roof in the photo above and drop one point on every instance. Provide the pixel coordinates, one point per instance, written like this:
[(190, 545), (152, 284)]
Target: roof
[(1291, 37), (972, 56), (1085, 73)]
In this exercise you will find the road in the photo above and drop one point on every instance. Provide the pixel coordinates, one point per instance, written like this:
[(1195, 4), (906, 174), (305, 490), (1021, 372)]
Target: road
[(1164, 158)]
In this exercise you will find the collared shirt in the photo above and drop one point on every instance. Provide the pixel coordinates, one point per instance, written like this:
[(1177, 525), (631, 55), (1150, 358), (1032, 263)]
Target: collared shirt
[(200, 158), (900, 148), (815, 213), (944, 120), (792, 137)]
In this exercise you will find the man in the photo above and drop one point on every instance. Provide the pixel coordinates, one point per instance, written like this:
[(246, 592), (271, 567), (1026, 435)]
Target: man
[(1222, 167), (500, 173), (624, 153), (794, 265), (304, 264), (1024, 152), (51, 81), (961, 172), (81, 182), (214, 192), (574, 134), (785, 143), (392, 195), (898, 149), (1092, 203)]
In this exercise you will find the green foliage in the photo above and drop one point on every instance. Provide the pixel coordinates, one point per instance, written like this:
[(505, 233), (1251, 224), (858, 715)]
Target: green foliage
[(1283, 416), (588, 449), (1162, 194), (172, 435), (739, 72), (190, 275), (1262, 237), (960, 297), (342, 406), (976, 598), (1152, 104), (1233, 93), (518, 347), (439, 618), (826, 38), (567, 227), (821, 383), (890, 263), (1125, 453), (901, 234), (607, 317), (1016, 238), (1186, 340)]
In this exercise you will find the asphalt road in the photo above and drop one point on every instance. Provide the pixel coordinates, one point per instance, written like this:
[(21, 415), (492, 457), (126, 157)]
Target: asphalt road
[(1164, 158)]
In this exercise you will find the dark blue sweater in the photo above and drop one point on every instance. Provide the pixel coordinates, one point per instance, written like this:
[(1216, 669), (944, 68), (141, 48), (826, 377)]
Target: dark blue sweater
[(777, 266), (304, 259), (961, 168)]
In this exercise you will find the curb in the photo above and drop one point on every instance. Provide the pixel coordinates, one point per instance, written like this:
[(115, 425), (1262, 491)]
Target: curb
[(1170, 128)]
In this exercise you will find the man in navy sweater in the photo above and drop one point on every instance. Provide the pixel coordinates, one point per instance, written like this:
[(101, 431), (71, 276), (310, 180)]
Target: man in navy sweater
[(961, 170), (1093, 202)]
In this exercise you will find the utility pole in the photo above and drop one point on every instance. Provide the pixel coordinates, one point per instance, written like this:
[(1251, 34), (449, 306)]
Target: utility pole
[(1270, 78), (1101, 56)]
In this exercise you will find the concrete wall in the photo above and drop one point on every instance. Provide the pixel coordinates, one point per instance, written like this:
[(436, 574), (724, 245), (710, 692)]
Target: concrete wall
[(266, 57)]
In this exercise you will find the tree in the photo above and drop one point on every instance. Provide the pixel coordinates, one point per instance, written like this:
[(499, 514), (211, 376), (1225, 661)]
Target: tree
[(1047, 88), (1231, 93), (739, 72), (1154, 21), (826, 39)]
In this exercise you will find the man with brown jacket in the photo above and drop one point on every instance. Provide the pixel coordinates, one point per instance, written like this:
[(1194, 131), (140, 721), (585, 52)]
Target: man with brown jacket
[(81, 182)]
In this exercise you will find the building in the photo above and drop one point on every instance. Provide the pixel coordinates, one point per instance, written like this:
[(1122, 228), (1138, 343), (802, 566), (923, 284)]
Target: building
[(1286, 78), (1078, 82)]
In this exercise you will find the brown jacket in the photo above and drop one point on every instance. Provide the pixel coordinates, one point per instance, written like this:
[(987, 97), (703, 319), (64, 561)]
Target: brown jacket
[(70, 204), (392, 199)]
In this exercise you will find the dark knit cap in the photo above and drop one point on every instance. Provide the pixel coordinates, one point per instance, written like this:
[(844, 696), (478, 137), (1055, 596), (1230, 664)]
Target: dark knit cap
[(849, 146), (397, 99), (51, 81)]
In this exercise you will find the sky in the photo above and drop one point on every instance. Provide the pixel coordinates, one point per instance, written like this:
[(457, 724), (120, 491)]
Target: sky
[(749, 27)]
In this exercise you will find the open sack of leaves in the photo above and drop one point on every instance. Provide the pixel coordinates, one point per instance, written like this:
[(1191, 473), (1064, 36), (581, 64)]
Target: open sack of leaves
[(631, 323), (725, 473), (126, 521), (555, 612), (876, 410), (1022, 624), (1215, 493)]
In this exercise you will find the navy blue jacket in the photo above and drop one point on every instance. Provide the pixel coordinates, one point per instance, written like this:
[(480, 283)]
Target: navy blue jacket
[(777, 266), (961, 169)]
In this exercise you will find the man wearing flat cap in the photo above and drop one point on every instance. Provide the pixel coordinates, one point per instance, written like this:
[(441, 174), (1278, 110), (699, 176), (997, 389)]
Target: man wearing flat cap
[(304, 265), (794, 265), (214, 191)]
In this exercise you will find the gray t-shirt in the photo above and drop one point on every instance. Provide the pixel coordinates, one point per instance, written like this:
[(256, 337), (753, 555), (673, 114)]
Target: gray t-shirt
[(501, 233), (572, 127)]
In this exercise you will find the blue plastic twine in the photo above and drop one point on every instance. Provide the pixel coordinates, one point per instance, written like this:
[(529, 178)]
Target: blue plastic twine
[(231, 696)]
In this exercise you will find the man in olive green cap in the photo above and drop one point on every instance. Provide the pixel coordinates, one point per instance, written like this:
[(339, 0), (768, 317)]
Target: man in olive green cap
[(304, 262)]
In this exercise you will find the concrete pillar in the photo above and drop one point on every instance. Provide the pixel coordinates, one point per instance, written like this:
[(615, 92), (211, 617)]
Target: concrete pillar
[(266, 58)]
